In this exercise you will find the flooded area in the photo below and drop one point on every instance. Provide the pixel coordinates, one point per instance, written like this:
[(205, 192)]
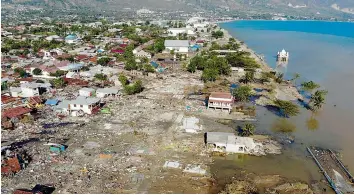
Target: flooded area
[(325, 59)]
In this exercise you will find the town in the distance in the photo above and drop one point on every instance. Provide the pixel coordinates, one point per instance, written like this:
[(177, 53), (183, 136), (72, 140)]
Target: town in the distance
[(138, 106)]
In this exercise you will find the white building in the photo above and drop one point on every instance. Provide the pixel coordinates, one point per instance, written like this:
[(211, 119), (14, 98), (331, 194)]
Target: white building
[(105, 92), (80, 106), (83, 105), (114, 30), (283, 56), (179, 46), (195, 20), (94, 24), (86, 92), (230, 143), (175, 31), (201, 25), (29, 89), (144, 12), (221, 100), (141, 54), (54, 37)]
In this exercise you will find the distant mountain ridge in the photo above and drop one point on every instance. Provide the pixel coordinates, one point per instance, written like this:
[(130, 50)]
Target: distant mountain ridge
[(305, 6)]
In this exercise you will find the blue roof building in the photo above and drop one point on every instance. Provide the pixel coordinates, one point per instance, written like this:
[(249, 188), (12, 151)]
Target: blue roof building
[(154, 64), (195, 47), (71, 37), (52, 102)]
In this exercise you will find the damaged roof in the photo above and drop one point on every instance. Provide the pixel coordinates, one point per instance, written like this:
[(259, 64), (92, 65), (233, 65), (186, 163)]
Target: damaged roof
[(15, 112)]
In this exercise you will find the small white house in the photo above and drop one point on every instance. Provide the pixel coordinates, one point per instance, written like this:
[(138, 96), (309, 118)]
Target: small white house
[(105, 92), (83, 105), (28, 89), (179, 46), (86, 92)]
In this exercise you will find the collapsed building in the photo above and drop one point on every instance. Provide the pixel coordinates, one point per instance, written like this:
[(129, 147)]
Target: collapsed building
[(230, 143), (13, 160)]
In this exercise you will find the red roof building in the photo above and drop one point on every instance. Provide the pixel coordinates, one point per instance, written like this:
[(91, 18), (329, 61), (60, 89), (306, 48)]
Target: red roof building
[(123, 45), (15, 112), (221, 100), (35, 100), (82, 57), (120, 51), (7, 99)]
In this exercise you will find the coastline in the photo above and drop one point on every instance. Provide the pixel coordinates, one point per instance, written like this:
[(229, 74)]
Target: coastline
[(285, 90)]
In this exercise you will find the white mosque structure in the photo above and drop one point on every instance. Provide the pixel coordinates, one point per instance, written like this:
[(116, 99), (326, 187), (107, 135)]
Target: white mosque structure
[(283, 56)]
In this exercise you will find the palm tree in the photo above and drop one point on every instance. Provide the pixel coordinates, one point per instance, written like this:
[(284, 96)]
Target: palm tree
[(287, 108), (317, 99), (247, 130), (309, 86), (249, 77)]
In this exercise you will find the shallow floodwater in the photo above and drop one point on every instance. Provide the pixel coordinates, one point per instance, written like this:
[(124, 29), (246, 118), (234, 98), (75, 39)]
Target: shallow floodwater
[(320, 54)]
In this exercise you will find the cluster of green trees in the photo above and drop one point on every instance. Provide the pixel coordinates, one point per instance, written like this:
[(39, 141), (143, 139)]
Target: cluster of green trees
[(217, 34), (104, 61), (58, 73), (130, 88), (101, 77), (35, 45), (58, 82), (21, 72), (37, 71), (266, 77), (211, 65), (242, 93), (242, 59), (157, 47), (231, 45)]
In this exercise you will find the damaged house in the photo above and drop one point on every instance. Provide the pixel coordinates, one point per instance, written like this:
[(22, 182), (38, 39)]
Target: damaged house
[(13, 161), (80, 106), (191, 125), (30, 89), (230, 143)]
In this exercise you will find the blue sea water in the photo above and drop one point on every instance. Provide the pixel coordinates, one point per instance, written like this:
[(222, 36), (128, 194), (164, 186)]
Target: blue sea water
[(319, 51)]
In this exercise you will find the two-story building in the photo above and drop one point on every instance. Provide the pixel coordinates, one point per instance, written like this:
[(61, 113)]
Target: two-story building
[(80, 106), (221, 100)]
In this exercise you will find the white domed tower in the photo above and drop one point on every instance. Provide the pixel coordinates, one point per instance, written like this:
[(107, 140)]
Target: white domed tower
[(283, 56)]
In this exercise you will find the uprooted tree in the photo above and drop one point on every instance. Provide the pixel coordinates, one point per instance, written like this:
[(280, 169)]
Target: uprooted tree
[(287, 108)]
